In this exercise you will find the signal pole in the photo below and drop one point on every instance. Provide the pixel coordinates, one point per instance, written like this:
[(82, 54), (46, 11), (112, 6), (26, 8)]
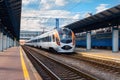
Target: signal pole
[(57, 23)]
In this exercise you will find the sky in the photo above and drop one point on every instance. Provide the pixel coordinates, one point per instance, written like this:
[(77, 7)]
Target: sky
[(41, 14)]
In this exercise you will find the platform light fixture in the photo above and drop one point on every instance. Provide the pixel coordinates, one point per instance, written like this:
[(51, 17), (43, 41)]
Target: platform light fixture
[(115, 26), (5, 28), (109, 24)]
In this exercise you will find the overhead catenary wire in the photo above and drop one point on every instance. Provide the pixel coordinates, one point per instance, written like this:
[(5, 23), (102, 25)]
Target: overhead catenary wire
[(61, 19)]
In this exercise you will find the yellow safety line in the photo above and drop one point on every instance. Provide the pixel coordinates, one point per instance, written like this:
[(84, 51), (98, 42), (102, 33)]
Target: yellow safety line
[(103, 57), (25, 71)]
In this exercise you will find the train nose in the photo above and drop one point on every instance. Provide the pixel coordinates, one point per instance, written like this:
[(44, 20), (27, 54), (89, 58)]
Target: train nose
[(66, 47)]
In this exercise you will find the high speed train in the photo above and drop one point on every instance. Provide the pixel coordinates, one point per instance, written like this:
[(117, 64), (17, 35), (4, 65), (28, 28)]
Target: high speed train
[(61, 40)]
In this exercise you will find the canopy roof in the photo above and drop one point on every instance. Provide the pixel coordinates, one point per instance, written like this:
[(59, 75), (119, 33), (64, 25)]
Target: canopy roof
[(10, 16), (107, 18)]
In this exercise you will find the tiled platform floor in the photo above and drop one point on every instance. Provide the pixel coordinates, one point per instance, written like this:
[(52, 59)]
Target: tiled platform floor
[(11, 67)]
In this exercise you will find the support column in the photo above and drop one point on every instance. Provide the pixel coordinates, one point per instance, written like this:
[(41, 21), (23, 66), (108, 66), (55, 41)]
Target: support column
[(88, 37), (4, 41), (17, 43), (115, 39), (10, 42), (14, 42), (1, 40), (57, 23), (7, 41)]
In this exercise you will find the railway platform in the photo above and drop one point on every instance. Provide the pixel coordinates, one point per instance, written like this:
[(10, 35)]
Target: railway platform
[(107, 55), (14, 65)]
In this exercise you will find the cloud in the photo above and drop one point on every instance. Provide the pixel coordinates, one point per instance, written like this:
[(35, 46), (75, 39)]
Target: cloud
[(101, 8), (46, 4), (61, 2), (47, 13), (37, 20), (27, 2), (44, 17), (49, 4), (77, 16), (77, 1)]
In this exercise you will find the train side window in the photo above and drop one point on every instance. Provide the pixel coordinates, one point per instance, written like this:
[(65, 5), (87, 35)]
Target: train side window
[(49, 38), (38, 40), (44, 39)]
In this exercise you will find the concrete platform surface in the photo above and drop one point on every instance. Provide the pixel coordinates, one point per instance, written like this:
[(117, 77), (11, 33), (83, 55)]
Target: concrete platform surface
[(14, 65), (99, 54)]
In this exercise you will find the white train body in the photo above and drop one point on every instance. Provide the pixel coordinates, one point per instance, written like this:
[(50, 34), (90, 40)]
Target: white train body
[(61, 40)]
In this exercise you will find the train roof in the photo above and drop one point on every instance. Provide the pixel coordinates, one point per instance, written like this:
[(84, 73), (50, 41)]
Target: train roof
[(46, 34)]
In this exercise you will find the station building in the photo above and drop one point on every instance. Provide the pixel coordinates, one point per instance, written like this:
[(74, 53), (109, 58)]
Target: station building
[(26, 35)]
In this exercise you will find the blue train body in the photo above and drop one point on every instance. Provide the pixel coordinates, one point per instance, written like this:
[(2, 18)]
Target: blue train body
[(99, 40)]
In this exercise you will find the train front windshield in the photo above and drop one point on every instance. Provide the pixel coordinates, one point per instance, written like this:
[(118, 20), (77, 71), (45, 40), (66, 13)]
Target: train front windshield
[(65, 35)]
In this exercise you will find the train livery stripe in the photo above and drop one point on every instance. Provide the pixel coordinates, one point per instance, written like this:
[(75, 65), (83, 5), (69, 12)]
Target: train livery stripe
[(57, 38), (24, 68), (73, 38), (57, 35)]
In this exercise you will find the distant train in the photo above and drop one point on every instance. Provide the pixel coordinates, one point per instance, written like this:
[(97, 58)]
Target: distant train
[(100, 39), (61, 40)]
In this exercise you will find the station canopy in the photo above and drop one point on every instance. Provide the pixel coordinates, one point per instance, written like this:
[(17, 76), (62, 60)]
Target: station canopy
[(107, 18), (10, 16)]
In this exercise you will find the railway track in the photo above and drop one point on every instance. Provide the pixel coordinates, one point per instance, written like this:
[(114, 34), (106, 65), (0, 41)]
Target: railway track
[(109, 66), (106, 70), (101, 69), (51, 69), (103, 64)]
